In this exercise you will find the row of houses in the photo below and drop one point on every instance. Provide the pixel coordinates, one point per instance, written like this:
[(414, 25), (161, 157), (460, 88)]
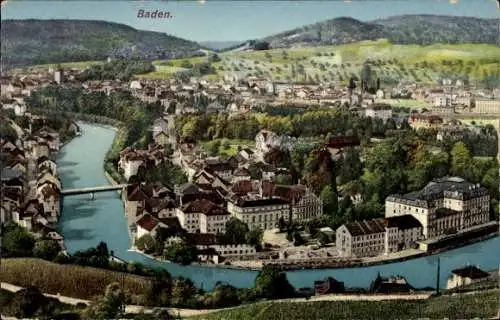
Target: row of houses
[(30, 183), (445, 206)]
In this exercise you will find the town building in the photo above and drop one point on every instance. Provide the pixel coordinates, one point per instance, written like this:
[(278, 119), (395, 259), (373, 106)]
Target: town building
[(328, 286), (465, 276), (491, 106), (402, 232), (417, 121), (259, 213), (361, 238), (445, 205), (379, 111)]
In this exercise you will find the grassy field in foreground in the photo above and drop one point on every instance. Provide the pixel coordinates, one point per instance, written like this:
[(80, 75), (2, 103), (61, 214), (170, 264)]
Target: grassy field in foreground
[(69, 280), (482, 305), (333, 63)]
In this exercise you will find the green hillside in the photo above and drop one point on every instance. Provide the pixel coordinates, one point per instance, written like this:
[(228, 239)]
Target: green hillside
[(391, 62), (482, 305), (30, 42)]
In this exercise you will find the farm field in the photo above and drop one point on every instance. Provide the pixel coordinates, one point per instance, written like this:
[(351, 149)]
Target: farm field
[(482, 305), (69, 280), (391, 63)]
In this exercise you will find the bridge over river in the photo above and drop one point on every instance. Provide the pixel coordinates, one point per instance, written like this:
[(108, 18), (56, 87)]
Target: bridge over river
[(93, 190)]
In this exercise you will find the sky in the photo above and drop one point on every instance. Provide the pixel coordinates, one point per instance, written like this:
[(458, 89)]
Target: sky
[(235, 20)]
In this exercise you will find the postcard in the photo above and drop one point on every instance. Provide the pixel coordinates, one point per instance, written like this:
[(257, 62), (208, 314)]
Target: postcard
[(173, 159)]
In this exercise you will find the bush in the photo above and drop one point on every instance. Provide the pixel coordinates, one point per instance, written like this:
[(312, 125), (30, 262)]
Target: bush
[(46, 249)]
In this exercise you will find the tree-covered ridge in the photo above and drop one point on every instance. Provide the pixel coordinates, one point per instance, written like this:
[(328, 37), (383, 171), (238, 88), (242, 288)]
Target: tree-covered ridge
[(406, 29), (121, 69), (28, 42)]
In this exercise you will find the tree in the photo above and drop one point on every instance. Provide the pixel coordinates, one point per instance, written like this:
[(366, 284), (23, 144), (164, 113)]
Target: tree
[(17, 242), (461, 160), (254, 236), (271, 283), (285, 179), (46, 249), (158, 292), (366, 76), (145, 243), (255, 172), (262, 45), (181, 252), (110, 306), (235, 231), (214, 58), (330, 201), (323, 238), (282, 224), (183, 290), (351, 167), (28, 303)]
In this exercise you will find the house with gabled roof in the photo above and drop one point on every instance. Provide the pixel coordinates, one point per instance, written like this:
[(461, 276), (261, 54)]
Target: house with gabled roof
[(48, 194), (148, 224), (47, 177), (466, 276)]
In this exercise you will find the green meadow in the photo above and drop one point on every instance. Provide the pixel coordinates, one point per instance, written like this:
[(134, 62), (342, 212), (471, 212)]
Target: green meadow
[(392, 63)]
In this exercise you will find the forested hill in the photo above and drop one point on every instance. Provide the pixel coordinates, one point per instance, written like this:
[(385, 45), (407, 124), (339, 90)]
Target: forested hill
[(405, 29), (28, 42)]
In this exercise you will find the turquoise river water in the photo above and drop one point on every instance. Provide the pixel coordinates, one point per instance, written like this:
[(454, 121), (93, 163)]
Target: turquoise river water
[(85, 222)]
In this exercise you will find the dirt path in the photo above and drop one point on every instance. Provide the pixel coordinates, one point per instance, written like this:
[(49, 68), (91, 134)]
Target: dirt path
[(196, 312), (129, 308)]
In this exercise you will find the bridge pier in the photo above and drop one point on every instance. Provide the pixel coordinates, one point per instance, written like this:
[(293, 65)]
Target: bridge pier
[(92, 196)]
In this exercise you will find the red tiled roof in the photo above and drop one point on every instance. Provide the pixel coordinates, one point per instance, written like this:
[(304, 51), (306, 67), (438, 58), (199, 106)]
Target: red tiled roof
[(343, 141), (147, 222)]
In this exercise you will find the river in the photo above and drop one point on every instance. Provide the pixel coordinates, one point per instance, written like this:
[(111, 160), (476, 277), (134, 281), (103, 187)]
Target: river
[(85, 222)]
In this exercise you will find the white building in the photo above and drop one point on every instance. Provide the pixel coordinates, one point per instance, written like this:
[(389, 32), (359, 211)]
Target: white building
[(361, 238), (379, 111), (147, 224), (259, 213), (465, 276), (445, 205)]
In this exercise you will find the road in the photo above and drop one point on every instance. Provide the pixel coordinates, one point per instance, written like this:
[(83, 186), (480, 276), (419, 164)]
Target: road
[(128, 309), (196, 312)]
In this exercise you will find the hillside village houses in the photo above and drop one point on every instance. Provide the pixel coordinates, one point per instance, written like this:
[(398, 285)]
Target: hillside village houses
[(132, 159), (446, 205), (30, 183), (223, 188)]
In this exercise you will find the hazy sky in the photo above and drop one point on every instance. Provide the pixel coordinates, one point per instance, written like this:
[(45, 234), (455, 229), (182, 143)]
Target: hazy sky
[(238, 20)]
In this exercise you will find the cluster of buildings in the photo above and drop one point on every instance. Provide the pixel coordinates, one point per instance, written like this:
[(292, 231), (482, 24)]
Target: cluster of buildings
[(132, 160), (217, 190), (29, 181), (200, 209), (445, 206)]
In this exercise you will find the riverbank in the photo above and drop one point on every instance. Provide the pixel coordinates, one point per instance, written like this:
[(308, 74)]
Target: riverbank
[(397, 257), (84, 223)]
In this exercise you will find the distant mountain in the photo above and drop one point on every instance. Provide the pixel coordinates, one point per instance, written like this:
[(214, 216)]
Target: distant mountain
[(29, 42), (220, 45), (406, 29)]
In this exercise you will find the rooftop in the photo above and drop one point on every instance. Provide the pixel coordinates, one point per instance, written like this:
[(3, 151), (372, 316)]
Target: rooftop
[(471, 272), (358, 228)]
